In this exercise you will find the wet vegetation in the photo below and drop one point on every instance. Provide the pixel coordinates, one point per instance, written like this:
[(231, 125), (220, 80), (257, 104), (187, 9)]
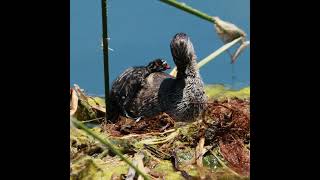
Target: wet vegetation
[(216, 146)]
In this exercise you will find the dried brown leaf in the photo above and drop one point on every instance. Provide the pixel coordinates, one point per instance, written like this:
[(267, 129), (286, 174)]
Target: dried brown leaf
[(73, 102)]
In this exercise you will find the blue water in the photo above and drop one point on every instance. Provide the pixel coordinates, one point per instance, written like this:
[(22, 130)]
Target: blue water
[(141, 30)]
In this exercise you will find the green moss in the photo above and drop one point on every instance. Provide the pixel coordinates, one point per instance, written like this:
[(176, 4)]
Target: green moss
[(84, 111), (193, 171), (91, 168), (79, 137), (211, 162), (93, 101), (218, 91), (166, 168)]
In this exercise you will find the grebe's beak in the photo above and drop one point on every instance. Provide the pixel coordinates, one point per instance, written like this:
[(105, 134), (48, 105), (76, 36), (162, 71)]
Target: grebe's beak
[(167, 66)]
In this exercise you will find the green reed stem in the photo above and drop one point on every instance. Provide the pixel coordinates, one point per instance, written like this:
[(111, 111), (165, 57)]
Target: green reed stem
[(105, 54), (218, 52), (189, 9)]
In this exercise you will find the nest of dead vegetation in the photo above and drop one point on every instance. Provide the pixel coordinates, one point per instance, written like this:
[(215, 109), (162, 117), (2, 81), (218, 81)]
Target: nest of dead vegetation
[(125, 126), (217, 146), (227, 125), (227, 120)]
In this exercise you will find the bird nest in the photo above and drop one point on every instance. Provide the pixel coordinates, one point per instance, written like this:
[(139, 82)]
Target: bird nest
[(216, 146)]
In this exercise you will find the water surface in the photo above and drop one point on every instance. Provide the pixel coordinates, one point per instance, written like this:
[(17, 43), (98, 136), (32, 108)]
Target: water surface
[(141, 31)]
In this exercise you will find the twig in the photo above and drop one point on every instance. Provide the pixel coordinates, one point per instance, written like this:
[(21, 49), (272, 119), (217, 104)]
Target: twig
[(103, 154), (146, 134), (199, 152), (160, 140), (92, 120), (152, 156), (157, 153)]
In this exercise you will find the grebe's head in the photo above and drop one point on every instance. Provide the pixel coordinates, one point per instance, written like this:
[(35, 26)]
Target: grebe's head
[(182, 49), (158, 65)]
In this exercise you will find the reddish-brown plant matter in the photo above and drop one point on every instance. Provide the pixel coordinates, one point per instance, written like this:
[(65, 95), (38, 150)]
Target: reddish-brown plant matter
[(237, 156)]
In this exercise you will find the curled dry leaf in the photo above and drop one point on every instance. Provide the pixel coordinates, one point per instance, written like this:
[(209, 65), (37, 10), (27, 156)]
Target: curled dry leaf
[(229, 32), (73, 102)]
